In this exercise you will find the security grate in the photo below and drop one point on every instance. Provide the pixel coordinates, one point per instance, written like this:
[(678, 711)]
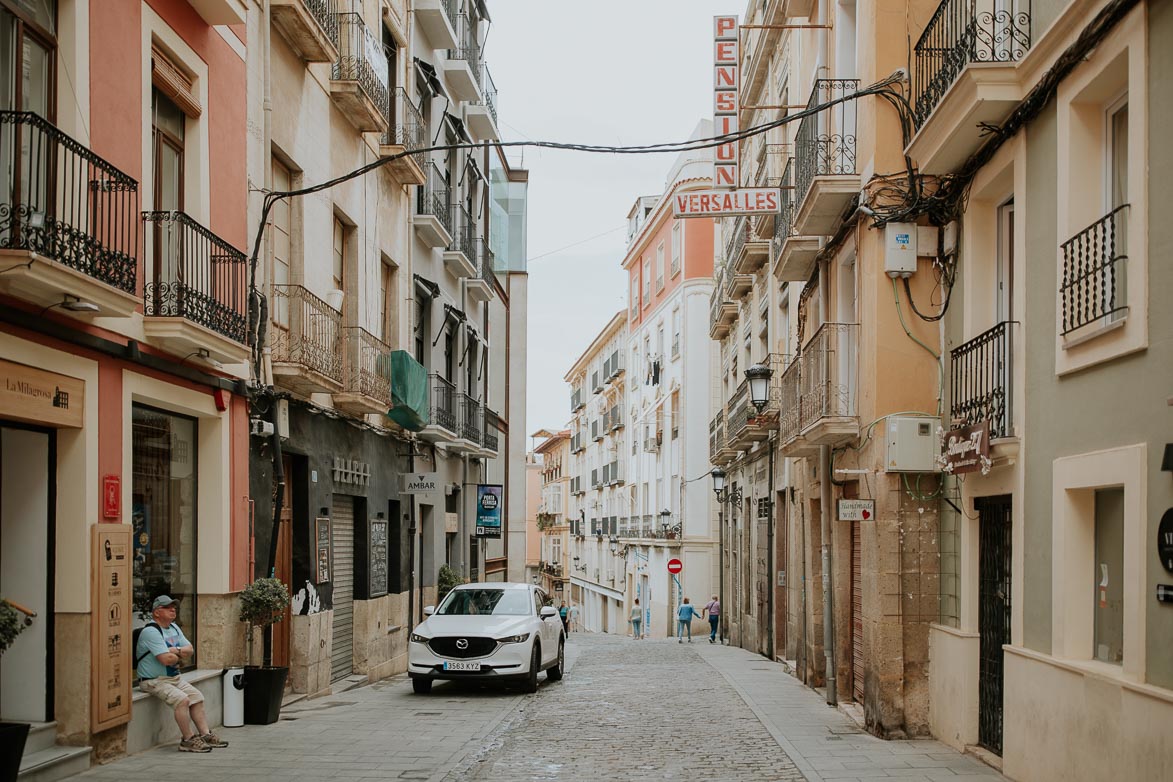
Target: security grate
[(994, 571)]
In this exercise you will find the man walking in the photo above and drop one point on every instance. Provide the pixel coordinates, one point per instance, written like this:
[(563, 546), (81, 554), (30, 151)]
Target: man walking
[(684, 618), (161, 648), (713, 609)]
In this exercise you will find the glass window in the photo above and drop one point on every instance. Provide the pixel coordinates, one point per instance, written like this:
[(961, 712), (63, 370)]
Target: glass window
[(677, 238), (339, 255), (282, 227), (495, 602), (1109, 577), (660, 266), (163, 514)]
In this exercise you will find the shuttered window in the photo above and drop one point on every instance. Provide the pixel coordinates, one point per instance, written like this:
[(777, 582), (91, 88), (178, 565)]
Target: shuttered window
[(173, 81), (342, 648)]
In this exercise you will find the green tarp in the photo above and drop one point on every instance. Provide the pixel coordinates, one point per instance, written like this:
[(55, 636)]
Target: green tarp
[(409, 390)]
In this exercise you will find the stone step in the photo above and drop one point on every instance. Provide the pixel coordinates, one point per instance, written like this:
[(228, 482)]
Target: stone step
[(54, 763), (42, 735)]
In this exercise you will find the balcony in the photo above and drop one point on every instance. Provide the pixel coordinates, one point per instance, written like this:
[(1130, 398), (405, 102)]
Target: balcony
[(432, 220), (747, 252), (480, 285), (358, 80), (68, 221), (981, 381), (306, 341), (490, 439), (309, 26), (825, 179), (481, 116), (747, 424), (1095, 264), (964, 77), (437, 20), (460, 256), (368, 374), (828, 383), (462, 66), (407, 133), (722, 311), (471, 423), (790, 439), (794, 255), (442, 426), (197, 296), (718, 451), (216, 12), (737, 286)]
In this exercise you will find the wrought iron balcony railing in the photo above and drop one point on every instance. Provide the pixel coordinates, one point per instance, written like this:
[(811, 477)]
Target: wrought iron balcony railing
[(449, 7), (60, 200), (963, 32), (1095, 262), (981, 381), (785, 216), (196, 275), (828, 373), (492, 424), (489, 91), (306, 331), (367, 365), (467, 46), (431, 198), (442, 411), (325, 13), (470, 419), (825, 142), (717, 433), (463, 233), (790, 402), (485, 260), (405, 123), (359, 54)]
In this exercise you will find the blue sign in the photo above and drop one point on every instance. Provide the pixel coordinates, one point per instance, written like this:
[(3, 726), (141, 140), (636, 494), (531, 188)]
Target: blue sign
[(488, 510)]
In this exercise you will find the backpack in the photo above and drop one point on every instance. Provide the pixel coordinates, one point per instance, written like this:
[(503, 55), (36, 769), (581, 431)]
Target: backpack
[(134, 643)]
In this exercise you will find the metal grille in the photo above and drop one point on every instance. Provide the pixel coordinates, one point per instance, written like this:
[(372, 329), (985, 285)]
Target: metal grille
[(857, 688), (432, 197), (447, 647), (362, 58), (308, 331), (825, 142), (980, 381), (1094, 264), (342, 647), (443, 410), (994, 571)]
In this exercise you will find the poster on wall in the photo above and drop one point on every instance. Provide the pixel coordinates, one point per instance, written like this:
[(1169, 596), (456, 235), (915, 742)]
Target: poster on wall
[(111, 653), (489, 510), (377, 549), (322, 528)]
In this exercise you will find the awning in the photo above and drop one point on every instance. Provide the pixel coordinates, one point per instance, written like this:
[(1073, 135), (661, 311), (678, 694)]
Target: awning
[(427, 286), (457, 126), (483, 11), (454, 313), (471, 162), (409, 390), (428, 74)]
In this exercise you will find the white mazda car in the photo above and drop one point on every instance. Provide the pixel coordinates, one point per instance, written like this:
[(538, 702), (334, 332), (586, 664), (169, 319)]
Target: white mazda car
[(488, 632)]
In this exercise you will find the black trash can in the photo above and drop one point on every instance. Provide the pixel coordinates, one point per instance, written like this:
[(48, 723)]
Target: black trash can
[(12, 738), (264, 686)]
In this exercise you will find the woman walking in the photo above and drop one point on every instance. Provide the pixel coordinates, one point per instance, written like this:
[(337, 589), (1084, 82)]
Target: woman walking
[(637, 618)]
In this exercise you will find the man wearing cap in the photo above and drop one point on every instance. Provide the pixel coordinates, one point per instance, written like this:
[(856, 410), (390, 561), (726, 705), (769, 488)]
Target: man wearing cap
[(159, 653)]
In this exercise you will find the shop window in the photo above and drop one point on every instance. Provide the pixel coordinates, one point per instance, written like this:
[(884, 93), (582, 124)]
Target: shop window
[(1108, 611), (164, 514)]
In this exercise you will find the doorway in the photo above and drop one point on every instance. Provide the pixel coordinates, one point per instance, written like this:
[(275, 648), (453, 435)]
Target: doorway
[(284, 566), (994, 570), (342, 529), (857, 674)]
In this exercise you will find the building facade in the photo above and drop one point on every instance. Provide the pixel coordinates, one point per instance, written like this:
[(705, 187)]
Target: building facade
[(552, 518)]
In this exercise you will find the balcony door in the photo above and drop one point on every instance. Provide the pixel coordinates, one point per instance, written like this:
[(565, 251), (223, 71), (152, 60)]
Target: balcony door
[(168, 137), (27, 56)]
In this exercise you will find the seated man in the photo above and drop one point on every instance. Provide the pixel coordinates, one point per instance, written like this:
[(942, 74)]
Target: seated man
[(159, 650)]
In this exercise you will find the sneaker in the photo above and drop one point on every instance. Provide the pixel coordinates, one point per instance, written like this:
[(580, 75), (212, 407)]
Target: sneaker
[(690, 640), (212, 740), (712, 641), (679, 640), (194, 744)]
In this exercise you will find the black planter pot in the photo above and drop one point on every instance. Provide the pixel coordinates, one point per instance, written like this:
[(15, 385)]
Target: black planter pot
[(263, 690), (12, 738)]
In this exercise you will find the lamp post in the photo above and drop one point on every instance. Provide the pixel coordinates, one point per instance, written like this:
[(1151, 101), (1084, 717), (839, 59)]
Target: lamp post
[(759, 385), (758, 376)]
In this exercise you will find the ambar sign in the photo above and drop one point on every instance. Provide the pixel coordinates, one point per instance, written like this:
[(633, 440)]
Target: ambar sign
[(38, 397)]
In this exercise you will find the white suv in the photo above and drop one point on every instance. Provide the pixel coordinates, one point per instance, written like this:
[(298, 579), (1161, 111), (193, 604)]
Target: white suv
[(488, 631)]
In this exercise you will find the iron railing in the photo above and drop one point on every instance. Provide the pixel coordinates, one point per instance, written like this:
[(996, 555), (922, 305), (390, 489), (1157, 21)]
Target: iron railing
[(307, 331), (463, 233), (432, 197), (325, 13), (405, 124), (470, 418), (489, 93), (1094, 266), (825, 142), (467, 46), (368, 370), (962, 32), (717, 433), (196, 276), (790, 402), (490, 437), (485, 260), (443, 403), (60, 200), (828, 373), (449, 8), (359, 51), (786, 209), (742, 411), (980, 381)]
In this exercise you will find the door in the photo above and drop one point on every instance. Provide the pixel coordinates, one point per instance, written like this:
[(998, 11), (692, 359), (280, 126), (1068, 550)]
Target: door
[(284, 566), (994, 568), (26, 526), (342, 529), (781, 575), (856, 614)]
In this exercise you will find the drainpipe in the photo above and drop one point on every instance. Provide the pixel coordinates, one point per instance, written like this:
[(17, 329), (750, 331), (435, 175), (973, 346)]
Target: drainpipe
[(825, 512), (771, 567)]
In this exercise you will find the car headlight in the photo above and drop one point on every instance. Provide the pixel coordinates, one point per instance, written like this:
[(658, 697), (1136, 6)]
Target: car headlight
[(416, 638), (514, 639)]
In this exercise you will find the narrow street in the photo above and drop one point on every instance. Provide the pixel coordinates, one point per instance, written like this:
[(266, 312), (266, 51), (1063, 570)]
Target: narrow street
[(639, 710)]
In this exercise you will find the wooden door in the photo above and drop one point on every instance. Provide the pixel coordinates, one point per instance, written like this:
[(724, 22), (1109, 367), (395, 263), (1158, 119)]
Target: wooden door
[(284, 564)]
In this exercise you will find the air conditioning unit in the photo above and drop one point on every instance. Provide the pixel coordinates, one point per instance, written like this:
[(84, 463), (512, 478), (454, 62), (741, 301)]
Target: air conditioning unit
[(912, 444)]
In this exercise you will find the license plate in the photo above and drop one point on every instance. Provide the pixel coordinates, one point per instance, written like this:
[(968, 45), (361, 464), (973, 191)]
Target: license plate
[(461, 666)]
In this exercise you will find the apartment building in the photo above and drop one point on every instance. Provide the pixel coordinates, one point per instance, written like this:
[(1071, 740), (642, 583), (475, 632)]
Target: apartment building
[(553, 519), (124, 347)]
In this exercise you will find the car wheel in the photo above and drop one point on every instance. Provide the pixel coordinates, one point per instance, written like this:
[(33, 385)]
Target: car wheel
[(535, 664), (421, 685), (554, 672)]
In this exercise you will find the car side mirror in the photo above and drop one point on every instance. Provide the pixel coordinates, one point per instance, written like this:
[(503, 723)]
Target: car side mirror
[(429, 610), (548, 611)]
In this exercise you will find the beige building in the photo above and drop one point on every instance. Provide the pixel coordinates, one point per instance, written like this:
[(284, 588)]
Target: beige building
[(552, 518)]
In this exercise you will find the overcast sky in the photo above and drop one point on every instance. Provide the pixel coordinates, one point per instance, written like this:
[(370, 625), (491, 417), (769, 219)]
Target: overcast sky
[(602, 72)]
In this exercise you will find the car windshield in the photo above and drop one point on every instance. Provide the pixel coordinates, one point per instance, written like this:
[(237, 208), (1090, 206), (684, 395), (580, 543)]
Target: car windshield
[(497, 602)]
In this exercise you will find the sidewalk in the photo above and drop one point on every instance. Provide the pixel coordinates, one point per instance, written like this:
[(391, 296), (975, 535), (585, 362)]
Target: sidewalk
[(824, 743)]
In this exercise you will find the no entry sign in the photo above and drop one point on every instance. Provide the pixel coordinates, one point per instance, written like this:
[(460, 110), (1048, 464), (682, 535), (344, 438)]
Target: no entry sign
[(675, 566)]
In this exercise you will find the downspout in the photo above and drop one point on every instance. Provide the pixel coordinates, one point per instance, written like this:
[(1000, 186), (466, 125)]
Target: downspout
[(825, 513), (411, 533), (771, 567)]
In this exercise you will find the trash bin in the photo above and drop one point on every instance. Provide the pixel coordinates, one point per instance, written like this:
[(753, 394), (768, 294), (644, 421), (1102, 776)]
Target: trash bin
[(233, 697)]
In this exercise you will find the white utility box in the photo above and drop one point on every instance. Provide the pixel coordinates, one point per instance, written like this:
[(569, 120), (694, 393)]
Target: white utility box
[(912, 444), (900, 249)]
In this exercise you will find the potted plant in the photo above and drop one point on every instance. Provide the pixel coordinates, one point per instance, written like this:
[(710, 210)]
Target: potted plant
[(263, 604), (12, 734), (445, 581)]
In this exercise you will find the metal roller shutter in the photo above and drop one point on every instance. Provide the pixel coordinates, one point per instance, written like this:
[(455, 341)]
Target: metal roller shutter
[(342, 649), (856, 615)]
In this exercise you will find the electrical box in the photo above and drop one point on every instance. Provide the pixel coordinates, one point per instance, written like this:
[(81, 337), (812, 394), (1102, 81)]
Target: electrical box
[(900, 249), (912, 444)]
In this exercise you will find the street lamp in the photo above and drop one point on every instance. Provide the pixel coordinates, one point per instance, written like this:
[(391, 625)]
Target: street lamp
[(719, 488), (759, 385), (614, 545)]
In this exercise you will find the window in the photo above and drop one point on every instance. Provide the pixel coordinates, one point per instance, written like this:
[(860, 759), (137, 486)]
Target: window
[(677, 239), (419, 327), (635, 296), (675, 332), (168, 130), (470, 367), (164, 514), (388, 275), (281, 243), (675, 414), (1108, 628), (28, 39), (338, 256), (449, 351), (647, 282), (660, 267)]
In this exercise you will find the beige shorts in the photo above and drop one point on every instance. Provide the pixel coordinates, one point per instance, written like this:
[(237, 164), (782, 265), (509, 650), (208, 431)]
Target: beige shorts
[(171, 690)]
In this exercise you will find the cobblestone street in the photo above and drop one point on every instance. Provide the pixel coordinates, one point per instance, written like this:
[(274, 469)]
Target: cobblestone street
[(625, 710)]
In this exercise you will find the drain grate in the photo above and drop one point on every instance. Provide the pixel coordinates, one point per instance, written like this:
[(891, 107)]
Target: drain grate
[(429, 714)]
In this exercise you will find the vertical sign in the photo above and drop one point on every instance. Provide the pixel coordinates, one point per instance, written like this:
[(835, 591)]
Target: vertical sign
[(377, 556), (111, 652), (322, 549), (488, 510), (726, 81)]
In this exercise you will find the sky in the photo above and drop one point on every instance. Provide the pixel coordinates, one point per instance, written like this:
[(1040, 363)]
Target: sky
[(604, 72)]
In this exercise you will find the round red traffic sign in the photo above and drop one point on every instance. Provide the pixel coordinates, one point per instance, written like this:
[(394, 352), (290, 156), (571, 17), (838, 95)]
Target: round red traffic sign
[(675, 566)]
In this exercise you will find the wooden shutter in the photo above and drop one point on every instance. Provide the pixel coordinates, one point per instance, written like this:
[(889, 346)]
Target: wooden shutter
[(171, 80)]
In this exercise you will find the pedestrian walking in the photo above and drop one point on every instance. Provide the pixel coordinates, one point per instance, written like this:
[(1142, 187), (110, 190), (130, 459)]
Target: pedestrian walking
[(637, 619), (713, 609), (161, 648), (564, 615), (684, 619), (572, 615)]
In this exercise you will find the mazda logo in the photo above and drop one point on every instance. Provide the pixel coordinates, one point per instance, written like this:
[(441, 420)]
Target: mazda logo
[(461, 643)]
